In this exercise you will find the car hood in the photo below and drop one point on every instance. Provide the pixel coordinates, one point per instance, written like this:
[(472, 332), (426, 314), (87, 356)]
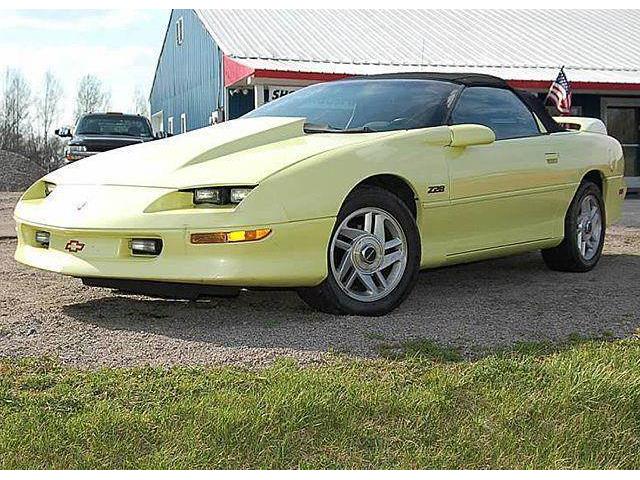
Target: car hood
[(237, 152)]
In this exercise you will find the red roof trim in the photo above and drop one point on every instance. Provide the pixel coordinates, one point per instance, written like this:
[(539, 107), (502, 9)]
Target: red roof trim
[(576, 85), (318, 77), (234, 71), (327, 77)]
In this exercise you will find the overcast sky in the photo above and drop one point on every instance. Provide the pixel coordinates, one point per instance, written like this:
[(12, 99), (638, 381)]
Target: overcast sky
[(120, 47)]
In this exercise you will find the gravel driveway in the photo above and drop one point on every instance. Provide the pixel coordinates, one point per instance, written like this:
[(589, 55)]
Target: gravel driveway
[(474, 307)]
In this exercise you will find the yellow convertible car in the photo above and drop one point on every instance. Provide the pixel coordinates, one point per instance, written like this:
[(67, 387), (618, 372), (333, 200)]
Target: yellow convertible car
[(342, 191)]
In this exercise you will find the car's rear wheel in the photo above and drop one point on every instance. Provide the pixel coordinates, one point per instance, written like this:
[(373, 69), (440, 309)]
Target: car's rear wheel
[(373, 256), (584, 232)]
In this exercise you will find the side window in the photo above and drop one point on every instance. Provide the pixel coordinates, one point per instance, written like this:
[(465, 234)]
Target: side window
[(497, 108)]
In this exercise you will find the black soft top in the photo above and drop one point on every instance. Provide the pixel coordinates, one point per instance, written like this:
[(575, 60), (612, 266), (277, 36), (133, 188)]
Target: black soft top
[(475, 80), (467, 79)]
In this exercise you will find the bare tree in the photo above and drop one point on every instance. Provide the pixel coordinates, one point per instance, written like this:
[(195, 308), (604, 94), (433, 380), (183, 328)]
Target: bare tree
[(140, 102), (91, 96), (48, 106), (16, 103)]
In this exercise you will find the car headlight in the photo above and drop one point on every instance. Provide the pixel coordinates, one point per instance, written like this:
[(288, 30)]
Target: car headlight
[(238, 194), (48, 188), (220, 195)]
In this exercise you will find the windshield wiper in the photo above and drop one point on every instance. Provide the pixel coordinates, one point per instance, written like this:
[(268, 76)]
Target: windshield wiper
[(326, 128), (363, 129), (319, 128)]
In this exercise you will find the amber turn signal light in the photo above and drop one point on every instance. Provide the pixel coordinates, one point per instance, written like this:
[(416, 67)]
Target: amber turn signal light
[(230, 237)]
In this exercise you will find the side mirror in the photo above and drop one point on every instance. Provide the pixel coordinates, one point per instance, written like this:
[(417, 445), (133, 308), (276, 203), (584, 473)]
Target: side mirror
[(471, 134), (63, 132)]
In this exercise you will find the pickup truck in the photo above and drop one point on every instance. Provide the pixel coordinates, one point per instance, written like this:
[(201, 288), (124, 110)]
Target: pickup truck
[(100, 132)]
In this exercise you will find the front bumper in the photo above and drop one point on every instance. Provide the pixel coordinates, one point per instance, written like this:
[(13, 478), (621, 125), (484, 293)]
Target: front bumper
[(293, 255)]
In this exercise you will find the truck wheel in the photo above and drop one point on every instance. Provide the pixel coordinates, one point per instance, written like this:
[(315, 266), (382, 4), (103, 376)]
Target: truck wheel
[(373, 256), (584, 232)]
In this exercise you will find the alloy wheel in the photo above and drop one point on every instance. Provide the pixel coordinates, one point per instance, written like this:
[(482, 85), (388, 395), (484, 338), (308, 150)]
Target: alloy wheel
[(589, 227), (368, 254)]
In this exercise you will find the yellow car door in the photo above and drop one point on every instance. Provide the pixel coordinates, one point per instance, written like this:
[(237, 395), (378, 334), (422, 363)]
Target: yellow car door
[(505, 193)]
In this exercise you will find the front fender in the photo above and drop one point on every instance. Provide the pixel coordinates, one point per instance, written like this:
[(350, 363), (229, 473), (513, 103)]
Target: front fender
[(317, 187)]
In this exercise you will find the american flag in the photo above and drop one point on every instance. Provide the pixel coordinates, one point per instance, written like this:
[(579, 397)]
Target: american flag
[(560, 93)]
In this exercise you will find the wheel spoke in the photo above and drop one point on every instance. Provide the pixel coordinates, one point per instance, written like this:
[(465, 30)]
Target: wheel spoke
[(341, 244), (396, 242), (585, 207), (368, 222), (381, 279), (345, 265), (368, 282), (378, 227), (390, 259), (352, 233), (351, 279)]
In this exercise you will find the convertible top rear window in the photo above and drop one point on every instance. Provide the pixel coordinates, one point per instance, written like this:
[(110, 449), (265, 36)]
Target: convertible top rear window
[(366, 105)]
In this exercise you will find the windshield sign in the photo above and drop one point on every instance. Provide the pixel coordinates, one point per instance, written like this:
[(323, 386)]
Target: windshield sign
[(365, 105)]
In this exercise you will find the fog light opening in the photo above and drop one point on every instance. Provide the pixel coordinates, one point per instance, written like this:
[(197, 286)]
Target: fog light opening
[(43, 238), (236, 236), (145, 246)]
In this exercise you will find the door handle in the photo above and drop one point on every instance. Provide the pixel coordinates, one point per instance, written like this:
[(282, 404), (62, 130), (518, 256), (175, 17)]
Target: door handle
[(551, 158)]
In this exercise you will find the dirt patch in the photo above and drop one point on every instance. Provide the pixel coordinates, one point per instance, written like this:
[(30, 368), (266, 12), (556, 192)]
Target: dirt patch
[(472, 307)]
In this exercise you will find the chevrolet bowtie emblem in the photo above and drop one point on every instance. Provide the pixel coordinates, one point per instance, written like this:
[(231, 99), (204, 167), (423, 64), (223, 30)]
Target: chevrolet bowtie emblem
[(74, 246)]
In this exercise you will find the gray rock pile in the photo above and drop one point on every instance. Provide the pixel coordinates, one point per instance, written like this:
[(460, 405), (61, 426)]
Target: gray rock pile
[(17, 172)]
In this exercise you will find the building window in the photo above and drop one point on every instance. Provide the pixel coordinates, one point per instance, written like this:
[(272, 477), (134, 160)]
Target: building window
[(170, 125), (183, 123), (180, 31)]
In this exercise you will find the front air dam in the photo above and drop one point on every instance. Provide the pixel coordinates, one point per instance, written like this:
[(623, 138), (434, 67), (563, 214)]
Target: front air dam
[(171, 290)]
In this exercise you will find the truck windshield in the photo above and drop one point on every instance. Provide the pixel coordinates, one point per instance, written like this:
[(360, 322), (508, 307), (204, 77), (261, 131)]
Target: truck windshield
[(113, 125), (365, 105)]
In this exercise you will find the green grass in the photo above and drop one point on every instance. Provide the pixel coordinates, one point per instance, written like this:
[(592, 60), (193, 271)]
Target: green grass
[(576, 407)]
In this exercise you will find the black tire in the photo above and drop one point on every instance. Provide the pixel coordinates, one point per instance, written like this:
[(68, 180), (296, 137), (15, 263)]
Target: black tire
[(329, 296), (567, 257)]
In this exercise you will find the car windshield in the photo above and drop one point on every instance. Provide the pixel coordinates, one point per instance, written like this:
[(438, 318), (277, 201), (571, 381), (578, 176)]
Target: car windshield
[(113, 125), (365, 105)]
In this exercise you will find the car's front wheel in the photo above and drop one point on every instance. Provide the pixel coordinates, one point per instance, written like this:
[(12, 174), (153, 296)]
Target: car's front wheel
[(373, 256)]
